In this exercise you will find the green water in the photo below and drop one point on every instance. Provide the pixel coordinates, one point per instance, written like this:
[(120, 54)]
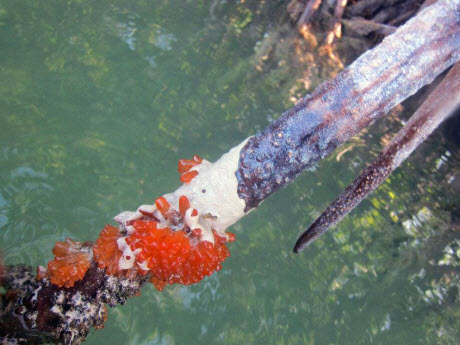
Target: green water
[(98, 101)]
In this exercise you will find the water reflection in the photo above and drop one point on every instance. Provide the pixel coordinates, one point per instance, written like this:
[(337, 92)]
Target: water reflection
[(138, 34)]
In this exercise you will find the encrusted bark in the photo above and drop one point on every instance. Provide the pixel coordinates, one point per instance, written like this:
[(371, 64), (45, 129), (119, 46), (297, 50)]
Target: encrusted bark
[(365, 91), (35, 311)]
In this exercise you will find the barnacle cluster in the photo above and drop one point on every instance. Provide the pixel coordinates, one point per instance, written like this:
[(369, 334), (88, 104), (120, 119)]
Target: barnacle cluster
[(175, 245)]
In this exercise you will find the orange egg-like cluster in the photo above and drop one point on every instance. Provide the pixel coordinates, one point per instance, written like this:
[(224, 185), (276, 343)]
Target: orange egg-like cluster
[(105, 250), (176, 257), (107, 255), (70, 263), (159, 239), (172, 256)]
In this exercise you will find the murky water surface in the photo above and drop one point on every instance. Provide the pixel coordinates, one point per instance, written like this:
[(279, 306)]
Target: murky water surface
[(98, 101)]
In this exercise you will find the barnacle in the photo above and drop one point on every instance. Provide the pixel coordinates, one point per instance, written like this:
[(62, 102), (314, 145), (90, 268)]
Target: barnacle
[(72, 260)]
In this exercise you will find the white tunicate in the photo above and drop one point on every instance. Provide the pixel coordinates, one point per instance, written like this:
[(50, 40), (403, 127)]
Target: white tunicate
[(193, 222), (147, 208), (220, 206), (127, 216), (143, 266), (128, 257)]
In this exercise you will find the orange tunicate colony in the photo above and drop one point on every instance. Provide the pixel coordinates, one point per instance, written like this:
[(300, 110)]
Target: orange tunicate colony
[(105, 250), (107, 254), (72, 260), (184, 205), (176, 256), (184, 167), (186, 177)]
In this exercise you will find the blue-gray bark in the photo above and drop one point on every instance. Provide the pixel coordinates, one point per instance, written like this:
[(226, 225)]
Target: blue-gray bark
[(377, 81)]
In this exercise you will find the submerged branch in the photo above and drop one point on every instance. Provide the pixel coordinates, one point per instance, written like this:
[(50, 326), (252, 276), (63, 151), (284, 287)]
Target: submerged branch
[(436, 108), (361, 27), (308, 13), (335, 23), (377, 81)]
